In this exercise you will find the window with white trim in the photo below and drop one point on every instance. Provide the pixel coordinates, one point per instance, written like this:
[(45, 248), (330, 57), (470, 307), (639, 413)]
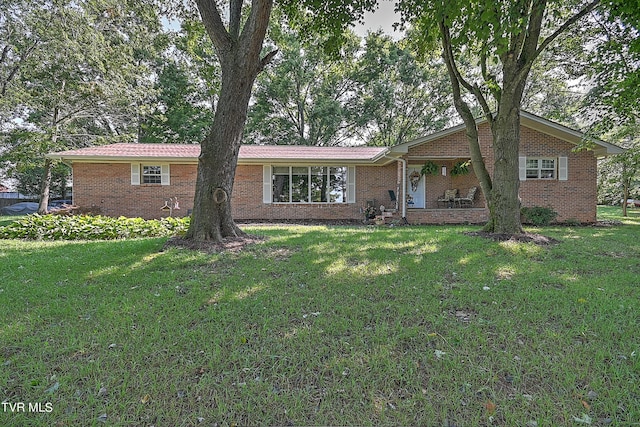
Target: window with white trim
[(151, 174), (309, 184), (541, 168), (544, 168)]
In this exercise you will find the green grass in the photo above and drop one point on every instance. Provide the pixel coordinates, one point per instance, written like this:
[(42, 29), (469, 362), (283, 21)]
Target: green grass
[(326, 326)]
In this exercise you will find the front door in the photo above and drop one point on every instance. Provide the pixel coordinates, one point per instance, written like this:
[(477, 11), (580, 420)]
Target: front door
[(415, 188)]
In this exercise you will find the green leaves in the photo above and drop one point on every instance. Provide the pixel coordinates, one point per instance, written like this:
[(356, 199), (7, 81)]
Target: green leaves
[(81, 227)]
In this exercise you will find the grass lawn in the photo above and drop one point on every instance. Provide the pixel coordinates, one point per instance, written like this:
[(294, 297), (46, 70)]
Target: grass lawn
[(325, 326)]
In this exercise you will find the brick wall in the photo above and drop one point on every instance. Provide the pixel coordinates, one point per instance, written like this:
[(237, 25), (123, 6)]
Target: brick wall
[(107, 186), (574, 199)]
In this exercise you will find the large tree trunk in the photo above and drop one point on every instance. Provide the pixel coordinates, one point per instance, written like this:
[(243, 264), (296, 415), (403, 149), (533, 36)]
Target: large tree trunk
[(504, 202), (239, 52), (212, 218)]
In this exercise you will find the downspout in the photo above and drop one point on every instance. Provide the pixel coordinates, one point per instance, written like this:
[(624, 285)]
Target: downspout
[(404, 189), (404, 185)]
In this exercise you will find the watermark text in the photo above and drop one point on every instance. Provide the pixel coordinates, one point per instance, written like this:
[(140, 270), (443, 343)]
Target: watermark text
[(30, 407)]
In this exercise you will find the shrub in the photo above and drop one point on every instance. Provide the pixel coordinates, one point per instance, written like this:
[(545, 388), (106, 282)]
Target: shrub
[(85, 227), (538, 215)]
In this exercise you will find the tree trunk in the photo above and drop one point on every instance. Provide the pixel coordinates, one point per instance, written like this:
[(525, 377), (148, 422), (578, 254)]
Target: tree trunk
[(626, 183), (212, 218), (239, 53), (504, 200), (45, 188)]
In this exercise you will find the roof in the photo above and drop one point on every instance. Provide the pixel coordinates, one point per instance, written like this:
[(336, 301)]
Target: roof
[(188, 153), (600, 148), (259, 154)]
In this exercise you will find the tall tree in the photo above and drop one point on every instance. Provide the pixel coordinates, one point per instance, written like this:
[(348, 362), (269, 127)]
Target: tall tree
[(17, 45), (79, 85), (238, 47), (399, 96), (615, 65), (506, 37), (306, 96), (180, 108), (239, 51)]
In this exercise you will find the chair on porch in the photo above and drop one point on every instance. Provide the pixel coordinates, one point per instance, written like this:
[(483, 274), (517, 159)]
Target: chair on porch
[(468, 200), (449, 197), (394, 199)]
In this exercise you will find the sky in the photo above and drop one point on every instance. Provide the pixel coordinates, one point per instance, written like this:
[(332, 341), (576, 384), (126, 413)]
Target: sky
[(383, 17)]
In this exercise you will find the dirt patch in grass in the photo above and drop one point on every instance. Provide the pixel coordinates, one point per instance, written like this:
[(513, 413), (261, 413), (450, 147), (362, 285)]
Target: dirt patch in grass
[(229, 244), (537, 239)]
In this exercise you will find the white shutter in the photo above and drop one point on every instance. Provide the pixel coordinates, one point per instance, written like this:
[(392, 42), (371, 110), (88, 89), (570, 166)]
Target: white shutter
[(267, 185), (522, 164), (135, 173), (164, 174), (351, 184), (563, 169)]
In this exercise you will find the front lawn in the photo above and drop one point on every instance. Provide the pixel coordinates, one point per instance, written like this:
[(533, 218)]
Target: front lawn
[(325, 326)]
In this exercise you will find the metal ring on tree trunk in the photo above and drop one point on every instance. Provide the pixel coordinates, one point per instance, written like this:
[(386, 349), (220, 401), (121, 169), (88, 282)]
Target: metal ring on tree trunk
[(220, 195)]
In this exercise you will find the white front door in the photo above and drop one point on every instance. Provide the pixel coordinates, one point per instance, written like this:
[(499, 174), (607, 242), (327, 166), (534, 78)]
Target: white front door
[(415, 188)]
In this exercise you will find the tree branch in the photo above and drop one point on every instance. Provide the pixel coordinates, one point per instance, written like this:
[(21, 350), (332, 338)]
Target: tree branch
[(268, 58), (16, 67), (587, 9), (214, 25), (235, 15), (255, 29)]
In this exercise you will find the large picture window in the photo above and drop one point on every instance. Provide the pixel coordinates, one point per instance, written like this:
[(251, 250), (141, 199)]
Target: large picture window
[(309, 184)]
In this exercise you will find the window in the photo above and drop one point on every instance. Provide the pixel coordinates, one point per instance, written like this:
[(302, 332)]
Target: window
[(544, 168), (308, 184), (541, 168), (151, 174)]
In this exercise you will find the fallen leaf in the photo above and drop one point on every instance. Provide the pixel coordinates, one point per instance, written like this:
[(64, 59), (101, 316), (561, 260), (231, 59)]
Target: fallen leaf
[(53, 388), (145, 399), (491, 407), (584, 419), (585, 404)]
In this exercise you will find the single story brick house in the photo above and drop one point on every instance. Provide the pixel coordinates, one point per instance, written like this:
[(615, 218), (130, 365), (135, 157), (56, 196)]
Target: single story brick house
[(281, 182)]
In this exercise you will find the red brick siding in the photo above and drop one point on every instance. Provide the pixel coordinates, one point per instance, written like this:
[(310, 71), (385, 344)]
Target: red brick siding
[(574, 199), (107, 186)]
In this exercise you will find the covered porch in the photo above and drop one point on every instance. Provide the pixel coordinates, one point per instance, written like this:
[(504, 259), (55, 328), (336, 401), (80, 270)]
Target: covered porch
[(428, 178)]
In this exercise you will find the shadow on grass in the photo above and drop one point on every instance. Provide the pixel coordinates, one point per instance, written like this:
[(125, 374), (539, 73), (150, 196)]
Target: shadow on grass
[(322, 326)]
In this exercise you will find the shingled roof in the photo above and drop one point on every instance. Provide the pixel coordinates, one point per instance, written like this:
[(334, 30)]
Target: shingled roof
[(248, 153)]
